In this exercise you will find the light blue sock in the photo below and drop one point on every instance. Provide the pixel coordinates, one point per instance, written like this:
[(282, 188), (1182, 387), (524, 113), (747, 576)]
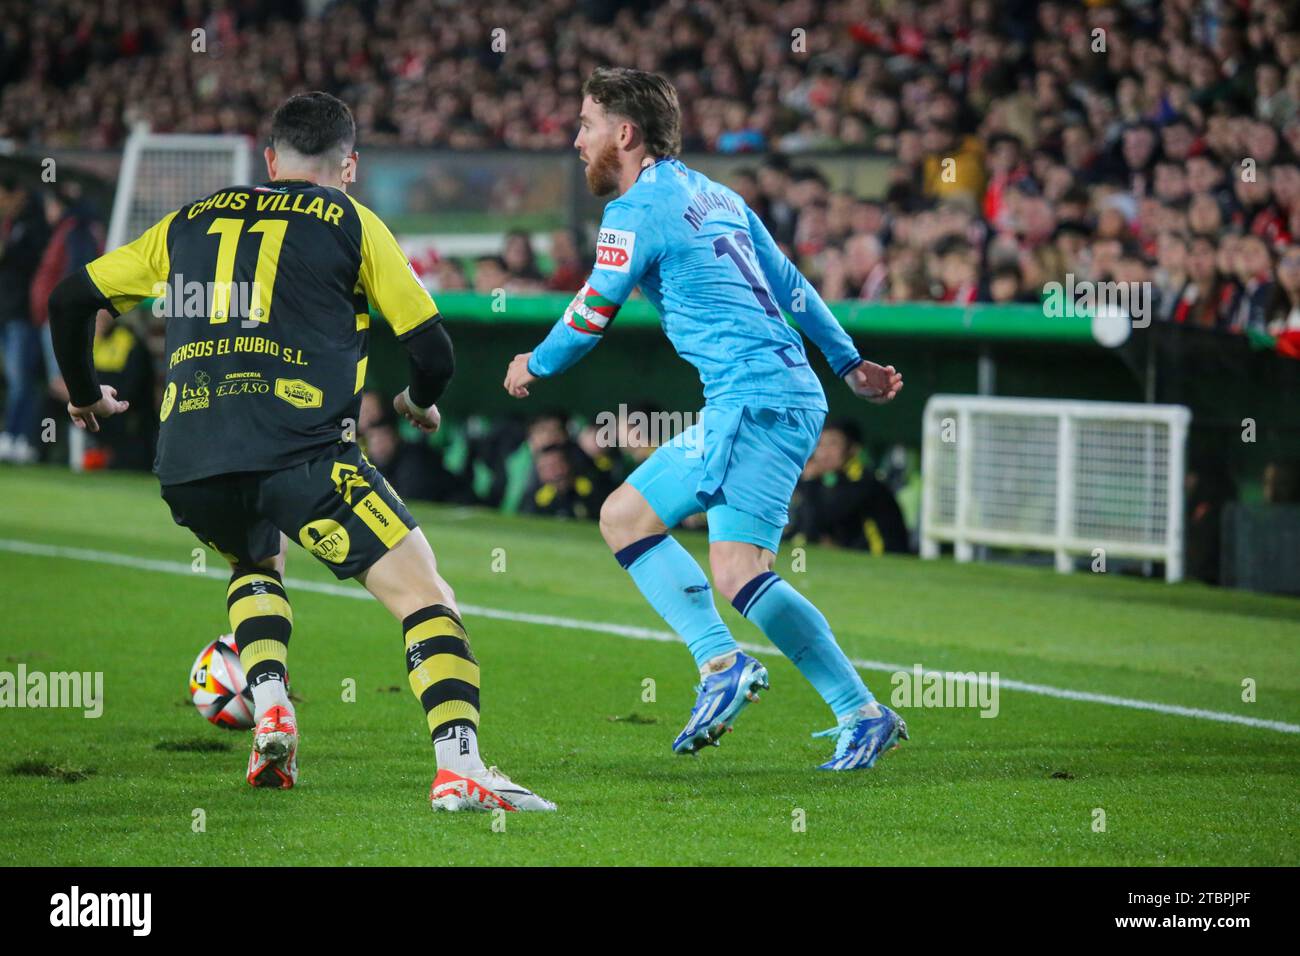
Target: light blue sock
[(801, 633), (674, 584)]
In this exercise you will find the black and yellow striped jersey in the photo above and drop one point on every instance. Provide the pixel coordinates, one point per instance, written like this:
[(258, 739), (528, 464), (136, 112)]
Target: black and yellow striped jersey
[(265, 291)]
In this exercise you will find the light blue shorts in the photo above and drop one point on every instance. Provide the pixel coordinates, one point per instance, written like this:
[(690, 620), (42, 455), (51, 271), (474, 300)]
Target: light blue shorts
[(738, 465)]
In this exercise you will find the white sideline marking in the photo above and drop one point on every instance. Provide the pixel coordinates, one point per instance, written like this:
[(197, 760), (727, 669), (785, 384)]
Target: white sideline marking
[(636, 633)]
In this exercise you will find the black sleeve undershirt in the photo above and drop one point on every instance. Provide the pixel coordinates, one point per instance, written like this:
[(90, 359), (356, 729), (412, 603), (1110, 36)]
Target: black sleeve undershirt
[(433, 362), (73, 305)]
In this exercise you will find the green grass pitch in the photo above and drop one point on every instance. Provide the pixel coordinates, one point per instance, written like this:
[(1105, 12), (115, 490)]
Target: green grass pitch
[(564, 714)]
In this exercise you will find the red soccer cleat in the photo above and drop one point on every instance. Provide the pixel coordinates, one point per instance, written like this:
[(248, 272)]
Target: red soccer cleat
[(274, 761)]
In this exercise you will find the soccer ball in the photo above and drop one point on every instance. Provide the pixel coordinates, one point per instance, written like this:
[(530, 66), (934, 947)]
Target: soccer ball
[(218, 688)]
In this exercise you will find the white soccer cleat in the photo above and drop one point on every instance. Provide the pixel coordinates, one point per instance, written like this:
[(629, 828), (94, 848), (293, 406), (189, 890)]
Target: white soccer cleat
[(486, 789)]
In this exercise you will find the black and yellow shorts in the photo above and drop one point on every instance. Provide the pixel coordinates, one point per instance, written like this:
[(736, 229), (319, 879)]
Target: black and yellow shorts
[(336, 505)]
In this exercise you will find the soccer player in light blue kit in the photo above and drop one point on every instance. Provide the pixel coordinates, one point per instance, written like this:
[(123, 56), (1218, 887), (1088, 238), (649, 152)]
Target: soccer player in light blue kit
[(719, 282)]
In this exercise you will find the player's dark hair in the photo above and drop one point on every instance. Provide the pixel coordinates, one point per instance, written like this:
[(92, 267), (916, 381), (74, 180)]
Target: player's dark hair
[(314, 124), (647, 99)]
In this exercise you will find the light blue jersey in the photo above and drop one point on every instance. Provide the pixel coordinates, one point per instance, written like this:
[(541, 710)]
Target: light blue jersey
[(719, 282)]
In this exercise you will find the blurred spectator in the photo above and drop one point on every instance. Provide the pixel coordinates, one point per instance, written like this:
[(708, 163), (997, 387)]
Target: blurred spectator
[(1207, 296), (859, 273), (1283, 313), (1254, 272), (954, 164), (1208, 487), (745, 182), (957, 272), (1281, 483), (1005, 166), (23, 236), (490, 274), (77, 237), (611, 464), (500, 462), (839, 501), (569, 270), (520, 477), (374, 409), (448, 276), (1171, 274), (521, 262), (906, 278), (1004, 285), (774, 184), (411, 468), (558, 490), (547, 428)]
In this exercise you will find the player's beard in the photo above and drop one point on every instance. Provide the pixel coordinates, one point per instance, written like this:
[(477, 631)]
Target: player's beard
[(602, 171)]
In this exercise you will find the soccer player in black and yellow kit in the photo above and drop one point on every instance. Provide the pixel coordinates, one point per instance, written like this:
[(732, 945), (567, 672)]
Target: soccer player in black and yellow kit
[(265, 290)]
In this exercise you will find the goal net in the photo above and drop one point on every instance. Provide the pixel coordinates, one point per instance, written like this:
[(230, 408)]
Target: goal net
[(1103, 479)]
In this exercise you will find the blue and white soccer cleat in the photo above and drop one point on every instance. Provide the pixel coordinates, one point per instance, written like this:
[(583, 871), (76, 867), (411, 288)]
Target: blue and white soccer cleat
[(722, 696), (861, 738)]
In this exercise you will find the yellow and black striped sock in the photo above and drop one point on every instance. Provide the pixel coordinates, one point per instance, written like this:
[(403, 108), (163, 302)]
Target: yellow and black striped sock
[(261, 620), (444, 676)]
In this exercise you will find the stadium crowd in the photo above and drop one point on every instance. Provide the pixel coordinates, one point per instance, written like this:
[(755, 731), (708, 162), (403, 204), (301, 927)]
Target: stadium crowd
[(1151, 141), (1139, 142)]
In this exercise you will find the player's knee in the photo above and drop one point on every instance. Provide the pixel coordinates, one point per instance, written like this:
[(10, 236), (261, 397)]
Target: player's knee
[(728, 579), (406, 578), (618, 525), (733, 569), (448, 595)]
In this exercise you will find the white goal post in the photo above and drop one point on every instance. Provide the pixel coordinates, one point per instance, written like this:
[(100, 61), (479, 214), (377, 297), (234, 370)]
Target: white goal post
[(163, 171), (1068, 477), (160, 173)]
